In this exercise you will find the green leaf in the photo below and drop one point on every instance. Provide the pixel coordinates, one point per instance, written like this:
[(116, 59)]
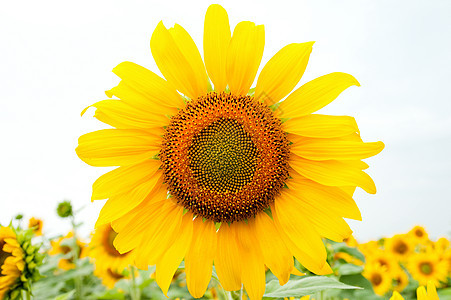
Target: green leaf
[(348, 269), (444, 294), (342, 247), (65, 296), (306, 285), (357, 280)]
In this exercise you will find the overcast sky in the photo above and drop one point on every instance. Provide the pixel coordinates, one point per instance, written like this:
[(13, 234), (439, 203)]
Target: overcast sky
[(56, 58)]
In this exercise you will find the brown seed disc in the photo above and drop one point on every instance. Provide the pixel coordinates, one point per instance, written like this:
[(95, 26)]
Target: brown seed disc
[(225, 157)]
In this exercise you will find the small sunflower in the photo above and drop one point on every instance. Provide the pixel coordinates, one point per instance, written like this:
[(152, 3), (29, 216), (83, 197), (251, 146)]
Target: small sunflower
[(226, 174), (19, 262), (426, 267), (379, 277), (385, 259), (109, 276), (11, 260), (106, 257), (400, 280), (36, 225), (400, 246), (64, 245), (419, 235)]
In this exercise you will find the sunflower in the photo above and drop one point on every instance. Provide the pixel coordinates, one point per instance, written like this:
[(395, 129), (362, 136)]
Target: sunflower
[(109, 276), (36, 225), (400, 280), (419, 235), (379, 277), (426, 267), (64, 245), (11, 260), (227, 174), (431, 293), (106, 257), (384, 259), (400, 246)]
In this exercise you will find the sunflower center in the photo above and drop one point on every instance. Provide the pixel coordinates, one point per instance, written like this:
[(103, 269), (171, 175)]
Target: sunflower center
[(419, 233), (376, 279), (108, 243), (224, 157), (401, 247), (426, 268)]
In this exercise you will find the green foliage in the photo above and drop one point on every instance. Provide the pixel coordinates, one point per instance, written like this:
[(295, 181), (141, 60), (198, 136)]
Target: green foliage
[(303, 286)]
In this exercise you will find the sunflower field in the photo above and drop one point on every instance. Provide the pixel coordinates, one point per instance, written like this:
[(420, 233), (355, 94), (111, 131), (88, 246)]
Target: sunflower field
[(35, 266)]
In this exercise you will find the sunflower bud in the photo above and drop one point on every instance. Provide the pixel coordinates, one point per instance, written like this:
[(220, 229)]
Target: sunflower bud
[(64, 209)]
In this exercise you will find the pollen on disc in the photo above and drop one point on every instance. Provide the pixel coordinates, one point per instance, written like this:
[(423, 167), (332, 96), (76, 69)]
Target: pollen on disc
[(224, 157)]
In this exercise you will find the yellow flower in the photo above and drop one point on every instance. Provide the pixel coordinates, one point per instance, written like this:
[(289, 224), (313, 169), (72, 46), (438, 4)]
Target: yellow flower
[(419, 235), (11, 260), (101, 249), (228, 175), (426, 267), (400, 280), (109, 277), (400, 246), (431, 293), (36, 224), (369, 248), (385, 259), (64, 245), (379, 278)]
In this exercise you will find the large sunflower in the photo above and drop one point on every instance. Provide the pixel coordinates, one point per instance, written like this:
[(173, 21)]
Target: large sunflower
[(230, 175), (11, 260)]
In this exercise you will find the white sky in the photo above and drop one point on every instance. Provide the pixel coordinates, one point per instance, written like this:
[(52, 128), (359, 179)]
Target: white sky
[(56, 58)]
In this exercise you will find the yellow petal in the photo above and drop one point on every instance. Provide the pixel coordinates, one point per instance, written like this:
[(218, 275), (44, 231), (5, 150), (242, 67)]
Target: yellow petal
[(252, 266), (199, 259), (172, 62), (159, 195), (327, 223), (324, 149), (160, 235), (282, 72), (123, 179), (117, 147), (139, 100), (216, 42), (333, 173), (244, 56), (227, 265), (432, 291), (421, 293), (121, 115), (316, 94), (332, 198), (321, 126), (314, 263), (120, 204), (275, 253), (299, 230), (396, 296), (192, 55), (173, 256), (156, 90)]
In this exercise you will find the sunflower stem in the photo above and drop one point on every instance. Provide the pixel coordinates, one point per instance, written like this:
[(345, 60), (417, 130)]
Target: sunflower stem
[(134, 291), (228, 295), (75, 253)]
